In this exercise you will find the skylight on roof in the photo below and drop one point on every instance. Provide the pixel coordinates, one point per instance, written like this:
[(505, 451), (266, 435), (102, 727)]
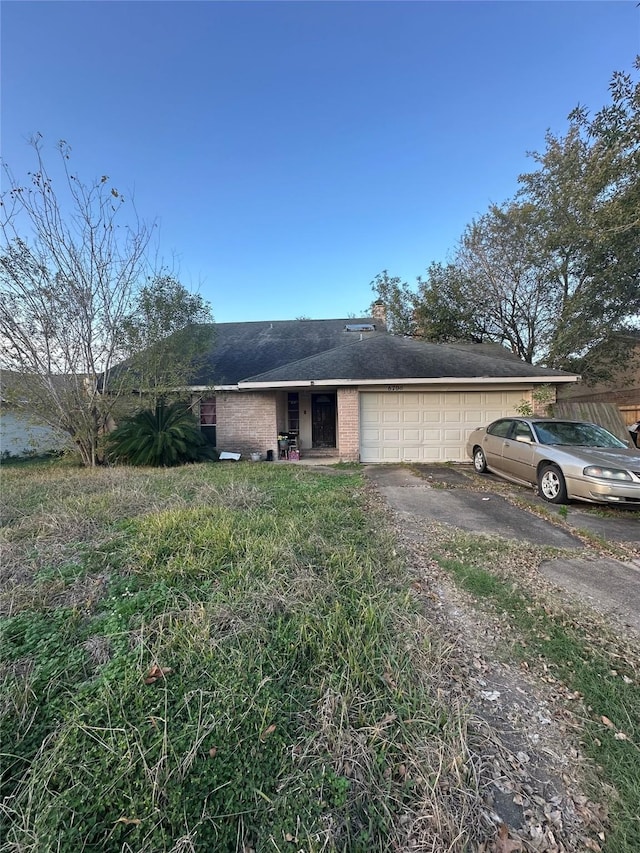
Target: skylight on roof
[(360, 327)]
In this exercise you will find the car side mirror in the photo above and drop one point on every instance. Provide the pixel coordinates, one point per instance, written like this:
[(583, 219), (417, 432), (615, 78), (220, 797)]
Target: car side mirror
[(525, 439)]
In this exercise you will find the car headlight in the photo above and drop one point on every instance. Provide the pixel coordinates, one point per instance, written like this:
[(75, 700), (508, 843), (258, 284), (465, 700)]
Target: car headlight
[(607, 473)]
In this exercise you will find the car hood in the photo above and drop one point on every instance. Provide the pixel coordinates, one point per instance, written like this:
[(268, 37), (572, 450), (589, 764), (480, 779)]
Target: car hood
[(611, 457)]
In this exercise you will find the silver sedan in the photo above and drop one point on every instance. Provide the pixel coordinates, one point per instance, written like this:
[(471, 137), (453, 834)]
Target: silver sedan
[(564, 459)]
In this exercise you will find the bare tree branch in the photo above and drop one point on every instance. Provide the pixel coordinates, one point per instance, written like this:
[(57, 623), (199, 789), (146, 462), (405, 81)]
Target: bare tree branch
[(72, 262)]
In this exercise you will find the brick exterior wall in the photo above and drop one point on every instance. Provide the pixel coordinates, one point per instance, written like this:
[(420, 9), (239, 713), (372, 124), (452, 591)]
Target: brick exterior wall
[(247, 422), (348, 424)]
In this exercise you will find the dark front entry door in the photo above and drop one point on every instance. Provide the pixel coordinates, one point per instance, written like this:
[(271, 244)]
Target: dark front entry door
[(323, 420)]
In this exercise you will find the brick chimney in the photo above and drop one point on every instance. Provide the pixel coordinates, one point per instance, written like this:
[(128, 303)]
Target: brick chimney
[(379, 313)]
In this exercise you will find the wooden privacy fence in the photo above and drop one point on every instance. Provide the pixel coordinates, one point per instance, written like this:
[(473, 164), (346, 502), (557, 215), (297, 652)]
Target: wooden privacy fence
[(630, 414)]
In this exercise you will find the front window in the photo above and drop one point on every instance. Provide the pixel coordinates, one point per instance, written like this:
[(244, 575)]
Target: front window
[(208, 419), (293, 412), (208, 412)]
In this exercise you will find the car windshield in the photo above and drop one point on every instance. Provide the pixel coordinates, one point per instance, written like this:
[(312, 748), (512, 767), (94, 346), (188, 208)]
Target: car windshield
[(575, 434)]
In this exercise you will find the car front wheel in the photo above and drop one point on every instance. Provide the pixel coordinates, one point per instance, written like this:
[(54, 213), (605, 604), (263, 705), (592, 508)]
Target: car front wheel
[(479, 460), (551, 484)]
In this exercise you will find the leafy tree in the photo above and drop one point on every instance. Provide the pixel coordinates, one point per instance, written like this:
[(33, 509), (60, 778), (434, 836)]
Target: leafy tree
[(70, 264), (555, 272), (399, 302), (505, 278), (439, 309), (168, 334), (447, 308), (164, 436), (589, 243), (616, 129)]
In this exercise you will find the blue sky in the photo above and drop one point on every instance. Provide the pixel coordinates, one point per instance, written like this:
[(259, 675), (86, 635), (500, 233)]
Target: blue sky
[(290, 151)]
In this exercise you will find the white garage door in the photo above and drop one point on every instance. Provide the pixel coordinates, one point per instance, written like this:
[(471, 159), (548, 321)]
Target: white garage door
[(416, 426)]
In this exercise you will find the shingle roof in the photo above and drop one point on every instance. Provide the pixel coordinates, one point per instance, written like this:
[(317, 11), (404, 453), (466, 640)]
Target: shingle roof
[(492, 350), (316, 350), (385, 357), (245, 349)]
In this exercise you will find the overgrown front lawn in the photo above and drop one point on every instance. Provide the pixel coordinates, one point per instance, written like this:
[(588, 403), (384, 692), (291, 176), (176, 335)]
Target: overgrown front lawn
[(218, 658)]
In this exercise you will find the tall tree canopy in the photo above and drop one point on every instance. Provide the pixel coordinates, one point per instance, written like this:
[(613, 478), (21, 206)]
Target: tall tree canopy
[(504, 279), (554, 274)]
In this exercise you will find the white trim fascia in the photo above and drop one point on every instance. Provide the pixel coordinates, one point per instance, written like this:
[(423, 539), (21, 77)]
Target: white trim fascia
[(199, 388), (442, 380)]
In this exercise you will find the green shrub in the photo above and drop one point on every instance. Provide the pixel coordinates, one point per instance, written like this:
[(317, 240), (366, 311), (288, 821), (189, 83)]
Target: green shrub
[(166, 436)]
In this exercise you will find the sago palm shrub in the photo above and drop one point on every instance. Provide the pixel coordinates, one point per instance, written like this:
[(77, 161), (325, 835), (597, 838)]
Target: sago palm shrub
[(160, 437)]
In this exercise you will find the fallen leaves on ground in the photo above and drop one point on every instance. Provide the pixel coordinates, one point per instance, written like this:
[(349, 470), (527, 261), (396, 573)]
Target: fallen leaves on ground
[(157, 673), (504, 844)]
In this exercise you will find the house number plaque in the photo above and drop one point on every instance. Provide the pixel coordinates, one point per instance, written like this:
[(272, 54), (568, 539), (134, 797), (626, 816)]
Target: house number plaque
[(394, 387)]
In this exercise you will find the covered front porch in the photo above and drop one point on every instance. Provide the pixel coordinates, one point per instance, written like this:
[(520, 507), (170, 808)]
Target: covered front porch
[(324, 421), (319, 423), (309, 418)]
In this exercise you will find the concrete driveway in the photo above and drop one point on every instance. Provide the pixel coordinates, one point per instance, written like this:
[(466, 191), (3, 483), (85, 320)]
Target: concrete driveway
[(466, 501)]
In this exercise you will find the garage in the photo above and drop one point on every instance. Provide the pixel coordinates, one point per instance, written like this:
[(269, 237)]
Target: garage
[(427, 426)]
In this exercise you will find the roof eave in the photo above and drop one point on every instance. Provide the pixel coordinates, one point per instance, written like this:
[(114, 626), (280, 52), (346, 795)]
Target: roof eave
[(440, 380), (199, 388)]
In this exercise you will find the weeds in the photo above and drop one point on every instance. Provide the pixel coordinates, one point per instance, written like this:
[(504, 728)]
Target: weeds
[(217, 658), (228, 658)]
